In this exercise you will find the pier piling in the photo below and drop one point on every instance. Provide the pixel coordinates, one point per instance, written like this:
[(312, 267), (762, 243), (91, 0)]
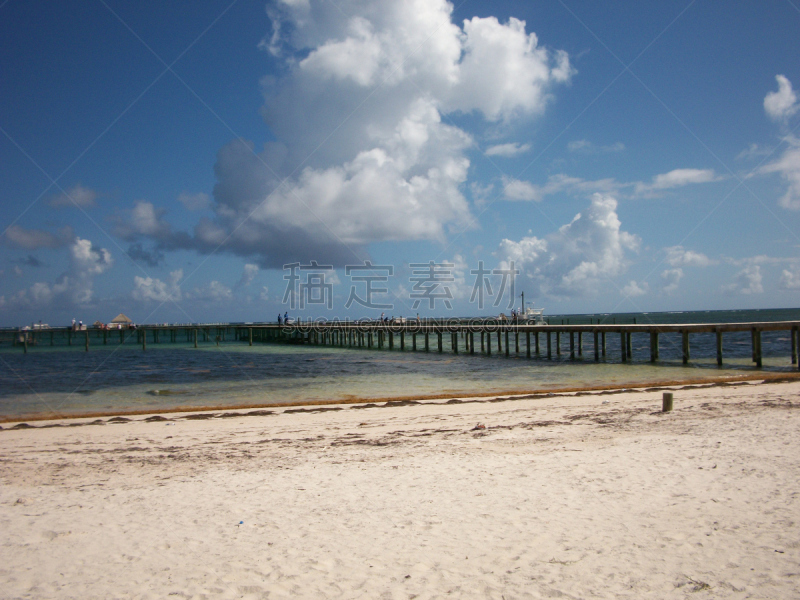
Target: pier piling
[(623, 350), (685, 346)]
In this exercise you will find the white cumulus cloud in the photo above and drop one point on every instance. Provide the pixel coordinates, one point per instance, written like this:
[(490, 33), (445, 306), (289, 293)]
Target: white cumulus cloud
[(143, 220), (363, 153), (507, 150), (74, 287), (633, 289), (782, 104), (670, 278), (149, 289), (790, 279), (516, 189), (788, 166), (576, 259), (676, 178), (747, 281), (212, 293), (587, 147), (678, 256), (248, 274)]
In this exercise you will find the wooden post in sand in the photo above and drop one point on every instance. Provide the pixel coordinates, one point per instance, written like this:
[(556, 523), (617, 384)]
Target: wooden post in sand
[(507, 344), (572, 345), (580, 343), (427, 341), (719, 347), (558, 343), (549, 347), (488, 343), (439, 340), (666, 402)]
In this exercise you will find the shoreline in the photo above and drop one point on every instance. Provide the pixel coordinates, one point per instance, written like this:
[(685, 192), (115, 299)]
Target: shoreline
[(505, 395)]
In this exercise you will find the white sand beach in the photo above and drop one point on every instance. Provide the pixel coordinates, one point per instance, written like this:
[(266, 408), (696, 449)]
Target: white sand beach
[(590, 496)]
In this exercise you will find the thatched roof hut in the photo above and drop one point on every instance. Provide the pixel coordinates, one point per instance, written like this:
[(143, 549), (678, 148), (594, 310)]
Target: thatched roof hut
[(121, 319)]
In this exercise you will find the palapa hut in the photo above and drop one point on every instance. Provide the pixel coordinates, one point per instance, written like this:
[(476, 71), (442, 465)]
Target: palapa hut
[(120, 322)]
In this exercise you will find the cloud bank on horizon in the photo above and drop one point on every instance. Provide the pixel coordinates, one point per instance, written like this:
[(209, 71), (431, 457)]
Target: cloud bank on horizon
[(394, 122)]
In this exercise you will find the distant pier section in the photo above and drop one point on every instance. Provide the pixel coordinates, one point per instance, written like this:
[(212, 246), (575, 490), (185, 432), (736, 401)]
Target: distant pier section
[(606, 342)]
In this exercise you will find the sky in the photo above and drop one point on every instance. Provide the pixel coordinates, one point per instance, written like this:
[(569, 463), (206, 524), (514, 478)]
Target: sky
[(235, 160)]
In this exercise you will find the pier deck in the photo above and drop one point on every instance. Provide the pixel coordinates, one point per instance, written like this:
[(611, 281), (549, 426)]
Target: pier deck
[(474, 336)]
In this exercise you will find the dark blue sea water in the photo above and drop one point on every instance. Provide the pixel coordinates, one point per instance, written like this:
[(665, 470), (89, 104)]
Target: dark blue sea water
[(61, 380)]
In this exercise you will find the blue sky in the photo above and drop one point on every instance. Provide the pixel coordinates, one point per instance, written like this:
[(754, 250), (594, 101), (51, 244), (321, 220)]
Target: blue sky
[(168, 161)]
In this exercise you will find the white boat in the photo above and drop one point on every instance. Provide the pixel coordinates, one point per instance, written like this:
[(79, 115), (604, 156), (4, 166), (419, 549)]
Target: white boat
[(533, 316), (529, 314)]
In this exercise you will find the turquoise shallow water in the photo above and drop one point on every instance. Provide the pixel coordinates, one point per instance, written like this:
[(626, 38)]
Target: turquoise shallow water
[(64, 381)]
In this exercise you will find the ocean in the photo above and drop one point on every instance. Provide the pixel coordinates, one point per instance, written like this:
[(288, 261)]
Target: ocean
[(54, 382)]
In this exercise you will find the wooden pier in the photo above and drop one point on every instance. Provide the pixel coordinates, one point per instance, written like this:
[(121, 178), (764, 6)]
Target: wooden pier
[(471, 337)]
